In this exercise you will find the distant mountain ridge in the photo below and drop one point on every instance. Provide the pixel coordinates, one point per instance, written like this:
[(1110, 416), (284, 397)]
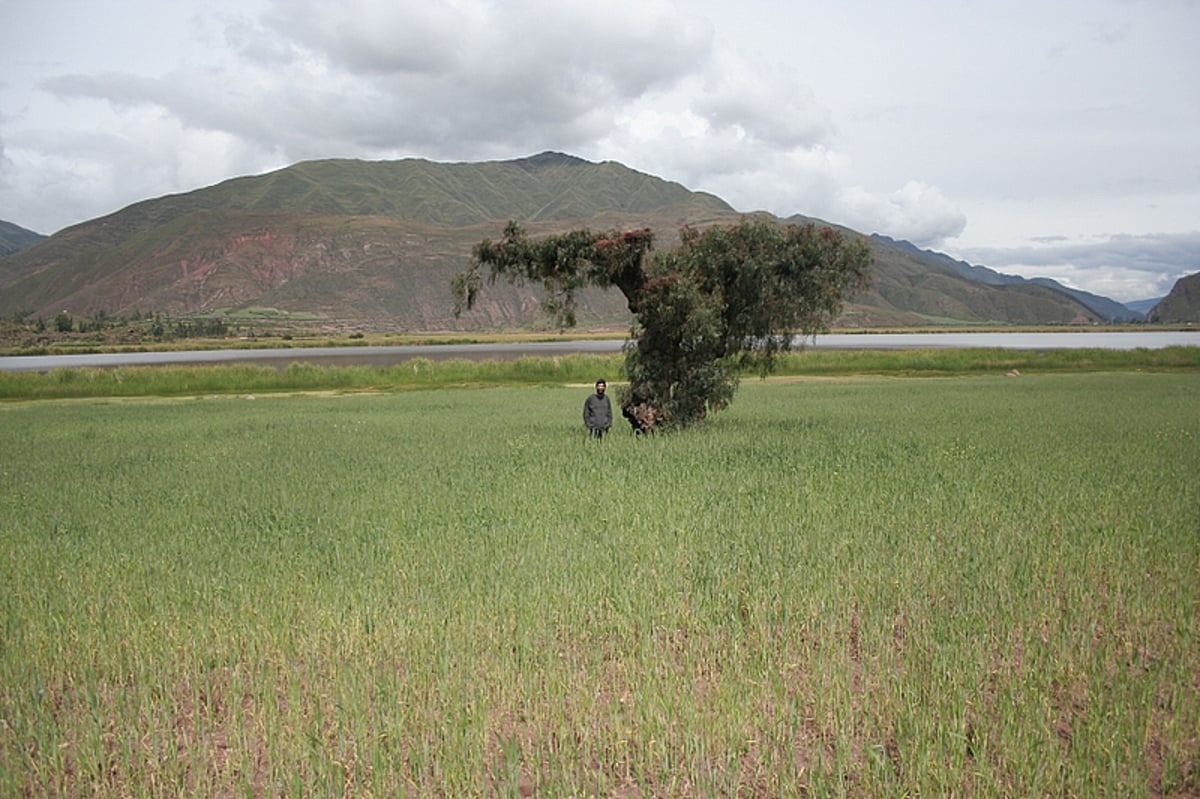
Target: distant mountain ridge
[(1106, 308), (376, 243), (1143, 306), (14, 238)]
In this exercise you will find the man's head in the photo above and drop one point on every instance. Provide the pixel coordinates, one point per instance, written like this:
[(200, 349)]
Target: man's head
[(600, 386)]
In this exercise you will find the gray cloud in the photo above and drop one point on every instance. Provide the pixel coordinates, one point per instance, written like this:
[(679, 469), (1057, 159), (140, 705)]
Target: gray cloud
[(373, 38), (490, 78), (319, 79), (769, 105)]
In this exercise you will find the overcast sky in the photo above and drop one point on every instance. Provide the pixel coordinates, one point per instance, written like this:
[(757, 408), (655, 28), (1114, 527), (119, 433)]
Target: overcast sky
[(1058, 138)]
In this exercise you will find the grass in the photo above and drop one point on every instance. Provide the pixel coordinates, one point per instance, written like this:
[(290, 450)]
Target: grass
[(861, 587), (423, 373)]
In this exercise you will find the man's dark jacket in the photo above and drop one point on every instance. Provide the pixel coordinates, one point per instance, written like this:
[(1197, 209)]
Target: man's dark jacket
[(597, 412)]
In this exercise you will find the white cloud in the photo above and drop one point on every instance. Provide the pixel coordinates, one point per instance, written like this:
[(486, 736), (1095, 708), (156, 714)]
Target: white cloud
[(763, 103), (916, 212)]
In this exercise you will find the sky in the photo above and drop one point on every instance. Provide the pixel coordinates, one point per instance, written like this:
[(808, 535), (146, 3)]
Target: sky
[(1058, 138)]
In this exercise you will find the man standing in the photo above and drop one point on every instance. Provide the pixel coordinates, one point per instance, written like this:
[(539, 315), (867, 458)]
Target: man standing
[(597, 411)]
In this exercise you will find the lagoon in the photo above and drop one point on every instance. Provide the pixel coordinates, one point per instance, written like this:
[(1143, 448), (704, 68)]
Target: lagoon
[(389, 355)]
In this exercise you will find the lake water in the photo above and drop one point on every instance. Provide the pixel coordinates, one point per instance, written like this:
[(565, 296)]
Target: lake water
[(1012, 341), (385, 356)]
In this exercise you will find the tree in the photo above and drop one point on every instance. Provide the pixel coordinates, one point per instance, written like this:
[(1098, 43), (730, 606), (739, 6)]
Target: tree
[(725, 299)]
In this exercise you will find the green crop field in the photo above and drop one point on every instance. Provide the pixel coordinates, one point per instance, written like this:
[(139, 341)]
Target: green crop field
[(876, 587)]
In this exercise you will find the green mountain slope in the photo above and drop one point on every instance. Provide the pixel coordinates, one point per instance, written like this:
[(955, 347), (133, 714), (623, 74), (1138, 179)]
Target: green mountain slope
[(376, 243), (1181, 305), (550, 186)]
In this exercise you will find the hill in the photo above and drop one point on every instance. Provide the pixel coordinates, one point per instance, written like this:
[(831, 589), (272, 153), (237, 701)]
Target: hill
[(1181, 305), (1104, 307), (1143, 306), (917, 287), (374, 244), (14, 238)]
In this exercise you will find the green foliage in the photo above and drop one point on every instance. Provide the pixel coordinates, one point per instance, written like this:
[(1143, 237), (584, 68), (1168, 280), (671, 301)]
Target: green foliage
[(563, 264), (724, 299), (729, 298), (101, 328)]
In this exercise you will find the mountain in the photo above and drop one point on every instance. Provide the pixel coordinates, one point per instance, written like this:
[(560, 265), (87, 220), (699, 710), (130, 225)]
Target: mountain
[(14, 238), (1143, 306), (375, 244), (1181, 305), (912, 286), (1105, 308)]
